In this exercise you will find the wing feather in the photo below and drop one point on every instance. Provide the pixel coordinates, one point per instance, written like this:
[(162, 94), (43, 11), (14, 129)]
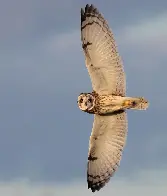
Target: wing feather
[(102, 59), (106, 144)]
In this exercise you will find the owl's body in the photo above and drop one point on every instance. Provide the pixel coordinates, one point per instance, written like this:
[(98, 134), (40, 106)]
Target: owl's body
[(106, 104), (108, 101)]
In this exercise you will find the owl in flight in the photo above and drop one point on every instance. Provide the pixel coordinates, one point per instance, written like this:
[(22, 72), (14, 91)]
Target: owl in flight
[(108, 101)]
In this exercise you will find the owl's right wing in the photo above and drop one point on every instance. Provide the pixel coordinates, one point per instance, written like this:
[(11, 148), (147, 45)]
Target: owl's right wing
[(106, 144), (102, 59)]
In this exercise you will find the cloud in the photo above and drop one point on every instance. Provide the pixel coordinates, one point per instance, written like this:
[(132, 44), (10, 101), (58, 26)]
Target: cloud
[(25, 19), (64, 41), (150, 182), (146, 42), (147, 31)]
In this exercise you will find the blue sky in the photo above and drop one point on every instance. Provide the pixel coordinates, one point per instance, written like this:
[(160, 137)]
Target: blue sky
[(44, 136)]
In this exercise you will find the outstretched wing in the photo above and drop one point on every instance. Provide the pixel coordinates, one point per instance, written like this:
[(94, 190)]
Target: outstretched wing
[(106, 144), (102, 59)]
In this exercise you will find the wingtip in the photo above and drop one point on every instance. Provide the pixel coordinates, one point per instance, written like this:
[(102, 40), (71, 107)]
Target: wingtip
[(88, 8), (95, 187)]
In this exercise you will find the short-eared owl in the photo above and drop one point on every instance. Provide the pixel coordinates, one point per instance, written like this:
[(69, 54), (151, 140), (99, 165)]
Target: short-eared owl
[(108, 101)]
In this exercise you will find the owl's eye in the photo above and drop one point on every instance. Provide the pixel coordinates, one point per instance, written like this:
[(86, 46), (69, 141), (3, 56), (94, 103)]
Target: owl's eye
[(89, 100), (81, 101)]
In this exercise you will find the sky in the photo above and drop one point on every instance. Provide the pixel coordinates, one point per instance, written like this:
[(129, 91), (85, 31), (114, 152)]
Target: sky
[(44, 136)]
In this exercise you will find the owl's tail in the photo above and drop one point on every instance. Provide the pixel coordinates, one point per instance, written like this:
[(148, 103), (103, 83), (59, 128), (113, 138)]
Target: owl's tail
[(136, 103)]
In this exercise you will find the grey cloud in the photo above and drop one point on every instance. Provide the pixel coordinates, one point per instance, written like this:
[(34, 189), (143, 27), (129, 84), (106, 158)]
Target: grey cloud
[(28, 20), (148, 182)]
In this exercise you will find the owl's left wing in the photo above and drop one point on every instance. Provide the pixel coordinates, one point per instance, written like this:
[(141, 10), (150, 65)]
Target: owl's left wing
[(103, 61), (106, 144)]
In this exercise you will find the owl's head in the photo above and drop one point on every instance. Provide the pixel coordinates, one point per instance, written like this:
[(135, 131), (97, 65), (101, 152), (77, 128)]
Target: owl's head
[(86, 102)]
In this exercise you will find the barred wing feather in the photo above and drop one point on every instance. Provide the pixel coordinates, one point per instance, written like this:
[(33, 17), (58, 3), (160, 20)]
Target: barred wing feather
[(102, 59), (106, 144)]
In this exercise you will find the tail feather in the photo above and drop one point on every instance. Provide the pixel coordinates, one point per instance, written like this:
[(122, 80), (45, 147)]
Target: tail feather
[(138, 103)]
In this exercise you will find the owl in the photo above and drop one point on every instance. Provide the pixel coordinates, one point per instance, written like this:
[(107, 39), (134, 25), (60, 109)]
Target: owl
[(108, 101)]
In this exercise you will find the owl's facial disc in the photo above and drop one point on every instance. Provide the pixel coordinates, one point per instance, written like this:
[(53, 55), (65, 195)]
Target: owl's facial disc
[(86, 101)]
